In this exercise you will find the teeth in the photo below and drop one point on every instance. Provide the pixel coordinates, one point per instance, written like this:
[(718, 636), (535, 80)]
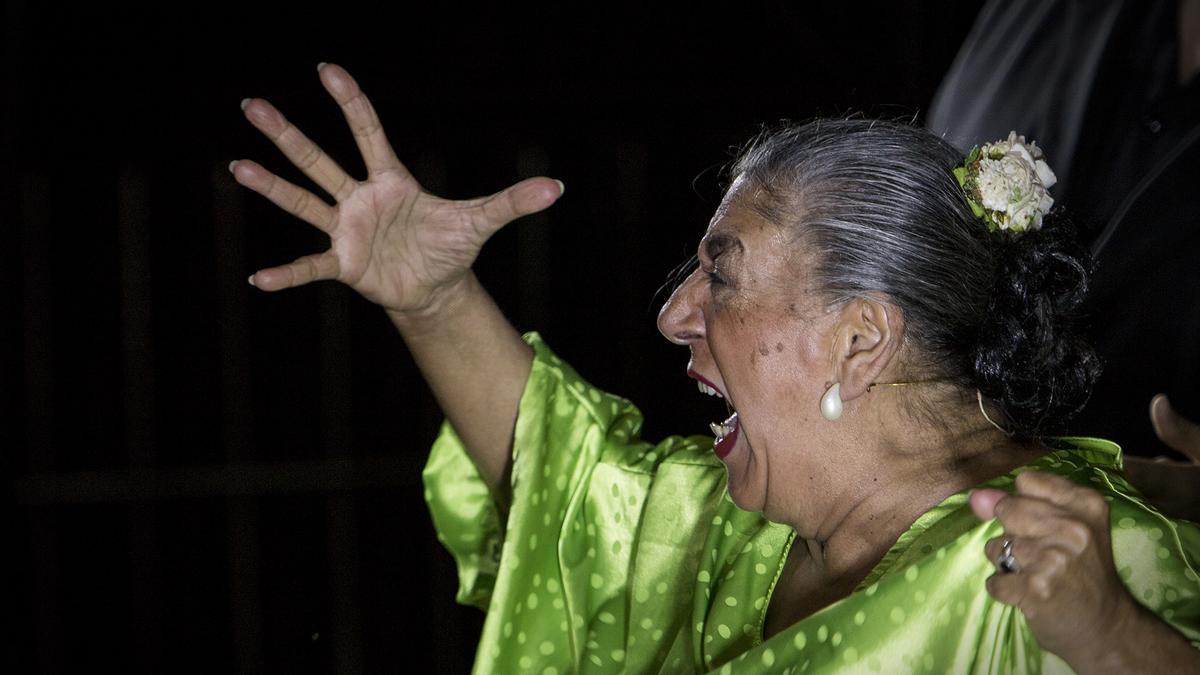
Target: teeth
[(723, 429), (704, 388)]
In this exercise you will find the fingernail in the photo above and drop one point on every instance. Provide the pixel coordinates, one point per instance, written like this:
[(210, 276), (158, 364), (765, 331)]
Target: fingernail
[(245, 102), (250, 280), (320, 66), (232, 164), (561, 188)]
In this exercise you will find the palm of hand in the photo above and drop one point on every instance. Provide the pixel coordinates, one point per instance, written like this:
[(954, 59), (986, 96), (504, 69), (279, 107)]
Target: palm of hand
[(395, 243), (391, 241)]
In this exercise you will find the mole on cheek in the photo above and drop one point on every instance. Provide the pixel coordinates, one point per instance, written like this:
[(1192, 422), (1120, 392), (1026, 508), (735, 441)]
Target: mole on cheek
[(778, 346), (763, 349)]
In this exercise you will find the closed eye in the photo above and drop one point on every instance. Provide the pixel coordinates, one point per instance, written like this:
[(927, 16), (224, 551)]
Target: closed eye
[(716, 246)]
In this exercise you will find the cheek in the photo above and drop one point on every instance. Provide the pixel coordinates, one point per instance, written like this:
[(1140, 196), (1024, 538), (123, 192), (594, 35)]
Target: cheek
[(781, 370), (767, 353), (780, 402), (742, 332)]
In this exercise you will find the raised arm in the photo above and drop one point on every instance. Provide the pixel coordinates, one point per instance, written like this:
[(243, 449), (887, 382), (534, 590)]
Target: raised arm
[(411, 253)]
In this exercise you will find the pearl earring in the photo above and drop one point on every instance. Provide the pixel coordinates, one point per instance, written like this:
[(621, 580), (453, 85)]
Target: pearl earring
[(831, 403)]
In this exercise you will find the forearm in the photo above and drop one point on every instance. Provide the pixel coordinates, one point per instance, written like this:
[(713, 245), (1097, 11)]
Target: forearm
[(477, 365)]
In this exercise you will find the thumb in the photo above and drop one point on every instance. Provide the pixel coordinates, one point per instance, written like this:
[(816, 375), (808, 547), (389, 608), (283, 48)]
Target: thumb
[(1174, 429), (983, 502), (528, 196)]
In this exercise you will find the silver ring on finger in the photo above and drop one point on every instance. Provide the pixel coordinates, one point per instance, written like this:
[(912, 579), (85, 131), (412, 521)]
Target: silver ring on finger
[(1006, 562)]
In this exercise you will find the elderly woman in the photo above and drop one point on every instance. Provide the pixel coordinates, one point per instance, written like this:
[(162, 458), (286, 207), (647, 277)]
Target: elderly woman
[(881, 352)]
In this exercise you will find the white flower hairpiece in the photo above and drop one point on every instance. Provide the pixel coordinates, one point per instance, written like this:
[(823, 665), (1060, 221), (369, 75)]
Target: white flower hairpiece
[(1007, 184)]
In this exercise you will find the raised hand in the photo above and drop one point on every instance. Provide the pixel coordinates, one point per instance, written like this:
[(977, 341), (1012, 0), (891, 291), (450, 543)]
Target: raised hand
[(410, 252), (396, 244)]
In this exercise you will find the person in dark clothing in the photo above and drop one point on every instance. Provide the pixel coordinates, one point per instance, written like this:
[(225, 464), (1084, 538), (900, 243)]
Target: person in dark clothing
[(1109, 91)]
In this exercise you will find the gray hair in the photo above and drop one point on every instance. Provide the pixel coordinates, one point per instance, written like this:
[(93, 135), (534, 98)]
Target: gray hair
[(877, 204)]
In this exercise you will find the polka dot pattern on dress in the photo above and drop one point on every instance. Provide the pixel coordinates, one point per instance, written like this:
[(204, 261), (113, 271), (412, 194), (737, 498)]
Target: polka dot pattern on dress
[(577, 573)]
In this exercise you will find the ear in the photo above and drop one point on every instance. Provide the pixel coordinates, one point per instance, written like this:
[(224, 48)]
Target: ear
[(866, 340)]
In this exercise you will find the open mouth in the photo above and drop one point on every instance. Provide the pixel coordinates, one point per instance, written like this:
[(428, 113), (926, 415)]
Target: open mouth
[(724, 433)]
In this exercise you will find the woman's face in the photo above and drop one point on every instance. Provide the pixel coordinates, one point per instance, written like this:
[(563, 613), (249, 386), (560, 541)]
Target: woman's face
[(761, 339)]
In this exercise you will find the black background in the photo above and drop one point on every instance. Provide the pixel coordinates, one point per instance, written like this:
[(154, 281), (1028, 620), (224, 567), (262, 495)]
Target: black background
[(208, 478)]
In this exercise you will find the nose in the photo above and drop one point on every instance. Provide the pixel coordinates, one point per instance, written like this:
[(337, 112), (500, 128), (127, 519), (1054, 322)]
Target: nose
[(681, 319)]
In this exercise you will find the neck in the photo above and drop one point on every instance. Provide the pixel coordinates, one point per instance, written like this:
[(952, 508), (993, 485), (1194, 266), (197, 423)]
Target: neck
[(907, 472)]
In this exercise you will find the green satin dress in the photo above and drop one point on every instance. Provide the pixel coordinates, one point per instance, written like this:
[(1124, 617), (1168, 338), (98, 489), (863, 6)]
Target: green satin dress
[(622, 556)]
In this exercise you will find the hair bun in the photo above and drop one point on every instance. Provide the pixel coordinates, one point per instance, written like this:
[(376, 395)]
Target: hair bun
[(1029, 356)]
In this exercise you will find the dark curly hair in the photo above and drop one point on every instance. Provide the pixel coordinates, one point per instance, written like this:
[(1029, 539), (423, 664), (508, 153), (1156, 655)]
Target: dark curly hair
[(877, 203)]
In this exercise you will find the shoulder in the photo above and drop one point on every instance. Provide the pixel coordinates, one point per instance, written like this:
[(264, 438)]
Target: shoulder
[(556, 390)]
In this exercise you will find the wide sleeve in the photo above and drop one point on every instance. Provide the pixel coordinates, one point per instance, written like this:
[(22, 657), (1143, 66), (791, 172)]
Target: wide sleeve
[(594, 566), (465, 516), (563, 425)]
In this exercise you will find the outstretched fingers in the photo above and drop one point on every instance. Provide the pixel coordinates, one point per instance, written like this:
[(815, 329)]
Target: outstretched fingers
[(309, 268), (296, 201), (368, 132), (306, 155)]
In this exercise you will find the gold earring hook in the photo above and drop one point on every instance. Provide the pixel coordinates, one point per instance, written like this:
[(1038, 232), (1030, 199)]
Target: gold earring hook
[(901, 384), (979, 397)]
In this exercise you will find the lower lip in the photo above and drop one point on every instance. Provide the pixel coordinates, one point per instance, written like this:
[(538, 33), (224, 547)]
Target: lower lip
[(724, 446)]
